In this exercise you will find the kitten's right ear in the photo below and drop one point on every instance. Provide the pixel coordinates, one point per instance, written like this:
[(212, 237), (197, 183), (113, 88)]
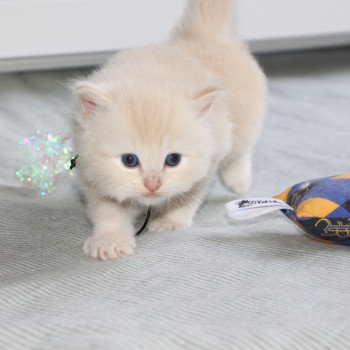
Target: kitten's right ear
[(204, 101), (91, 96)]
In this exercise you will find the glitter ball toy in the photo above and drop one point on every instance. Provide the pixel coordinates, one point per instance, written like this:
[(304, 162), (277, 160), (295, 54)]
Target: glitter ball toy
[(43, 161)]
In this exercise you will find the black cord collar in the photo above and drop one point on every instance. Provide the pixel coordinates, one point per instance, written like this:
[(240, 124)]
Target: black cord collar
[(143, 227), (73, 162)]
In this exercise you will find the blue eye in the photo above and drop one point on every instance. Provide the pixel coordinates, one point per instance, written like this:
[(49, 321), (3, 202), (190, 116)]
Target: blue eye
[(130, 160), (173, 159)]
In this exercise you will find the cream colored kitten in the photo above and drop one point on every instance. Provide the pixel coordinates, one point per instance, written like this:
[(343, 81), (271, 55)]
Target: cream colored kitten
[(155, 124)]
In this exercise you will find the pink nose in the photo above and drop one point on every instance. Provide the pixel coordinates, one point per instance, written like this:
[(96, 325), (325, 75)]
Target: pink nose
[(152, 182)]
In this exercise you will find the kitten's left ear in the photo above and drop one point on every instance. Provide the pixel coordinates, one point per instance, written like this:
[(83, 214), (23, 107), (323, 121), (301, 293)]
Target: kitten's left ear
[(205, 100), (91, 97)]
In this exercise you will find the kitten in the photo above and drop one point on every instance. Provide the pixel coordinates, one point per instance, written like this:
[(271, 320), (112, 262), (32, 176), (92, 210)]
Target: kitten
[(155, 124)]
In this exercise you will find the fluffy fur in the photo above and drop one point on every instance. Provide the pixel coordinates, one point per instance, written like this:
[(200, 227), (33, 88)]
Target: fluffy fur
[(201, 94)]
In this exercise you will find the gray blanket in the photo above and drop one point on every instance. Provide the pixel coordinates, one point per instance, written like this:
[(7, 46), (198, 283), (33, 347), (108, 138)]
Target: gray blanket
[(256, 285)]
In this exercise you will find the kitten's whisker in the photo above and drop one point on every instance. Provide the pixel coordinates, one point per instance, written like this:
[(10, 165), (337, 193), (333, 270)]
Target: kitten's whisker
[(168, 206), (201, 201)]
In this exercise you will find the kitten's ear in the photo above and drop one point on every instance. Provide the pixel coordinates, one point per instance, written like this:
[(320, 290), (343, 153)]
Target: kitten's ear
[(91, 97), (204, 101)]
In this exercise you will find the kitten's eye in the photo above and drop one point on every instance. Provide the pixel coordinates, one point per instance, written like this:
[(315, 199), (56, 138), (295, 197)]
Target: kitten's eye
[(130, 160), (173, 159)]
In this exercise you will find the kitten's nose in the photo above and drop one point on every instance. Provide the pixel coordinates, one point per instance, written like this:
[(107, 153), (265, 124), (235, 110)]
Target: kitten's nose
[(152, 182)]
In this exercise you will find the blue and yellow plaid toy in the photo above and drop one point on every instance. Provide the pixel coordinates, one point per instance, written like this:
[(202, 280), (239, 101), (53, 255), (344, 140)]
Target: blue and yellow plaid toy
[(320, 207)]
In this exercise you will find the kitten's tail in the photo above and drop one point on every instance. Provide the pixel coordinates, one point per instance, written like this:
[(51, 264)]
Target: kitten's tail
[(206, 19)]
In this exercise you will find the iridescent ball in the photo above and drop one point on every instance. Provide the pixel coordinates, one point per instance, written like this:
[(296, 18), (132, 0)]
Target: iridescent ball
[(43, 161)]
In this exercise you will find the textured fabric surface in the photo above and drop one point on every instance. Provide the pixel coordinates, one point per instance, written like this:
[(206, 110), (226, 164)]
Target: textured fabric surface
[(256, 285)]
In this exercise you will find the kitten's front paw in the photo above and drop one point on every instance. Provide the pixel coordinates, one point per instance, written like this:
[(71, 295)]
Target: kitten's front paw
[(166, 225), (109, 246)]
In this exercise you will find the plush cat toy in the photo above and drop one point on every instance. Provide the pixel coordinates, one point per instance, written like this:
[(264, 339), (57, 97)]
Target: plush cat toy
[(320, 207)]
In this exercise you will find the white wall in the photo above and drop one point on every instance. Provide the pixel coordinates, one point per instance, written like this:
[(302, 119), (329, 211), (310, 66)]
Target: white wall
[(292, 18), (58, 33)]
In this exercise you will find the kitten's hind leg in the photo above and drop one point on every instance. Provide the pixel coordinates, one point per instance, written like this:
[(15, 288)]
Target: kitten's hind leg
[(236, 173), (179, 214)]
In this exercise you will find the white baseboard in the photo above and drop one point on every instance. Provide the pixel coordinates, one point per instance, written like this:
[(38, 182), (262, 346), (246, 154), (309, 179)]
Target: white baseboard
[(20, 64), (299, 43)]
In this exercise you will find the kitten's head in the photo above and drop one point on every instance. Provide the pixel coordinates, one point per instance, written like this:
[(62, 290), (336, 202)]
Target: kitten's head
[(145, 144)]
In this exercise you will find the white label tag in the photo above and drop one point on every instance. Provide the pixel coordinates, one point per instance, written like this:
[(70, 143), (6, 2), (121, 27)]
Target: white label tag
[(243, 209)]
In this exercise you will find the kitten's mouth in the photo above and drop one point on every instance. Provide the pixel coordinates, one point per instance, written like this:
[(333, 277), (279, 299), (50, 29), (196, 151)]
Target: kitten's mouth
[(151, 195), (151, 198)]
